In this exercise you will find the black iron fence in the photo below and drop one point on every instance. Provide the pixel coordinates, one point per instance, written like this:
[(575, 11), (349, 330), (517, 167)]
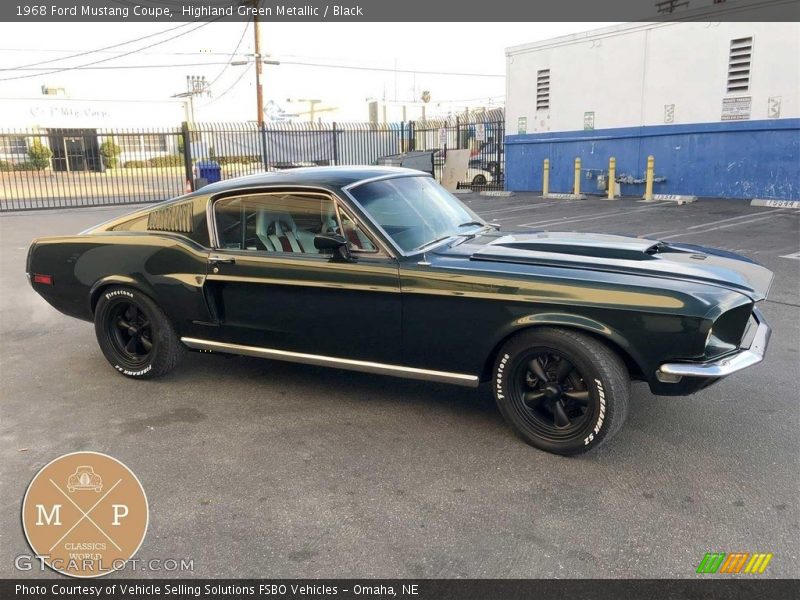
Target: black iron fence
[(52, 168)]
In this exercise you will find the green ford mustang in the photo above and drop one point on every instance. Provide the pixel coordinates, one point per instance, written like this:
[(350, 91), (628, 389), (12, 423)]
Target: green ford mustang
[(381, 270)]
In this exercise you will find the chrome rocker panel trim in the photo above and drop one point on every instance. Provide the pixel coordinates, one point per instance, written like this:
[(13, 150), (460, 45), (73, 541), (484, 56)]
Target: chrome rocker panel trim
[(338, 363), (724, 366)]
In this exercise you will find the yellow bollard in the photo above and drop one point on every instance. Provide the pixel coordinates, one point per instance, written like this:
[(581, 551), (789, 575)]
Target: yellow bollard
[(576, 188), (651, 169), (546, 178), (612, 173)]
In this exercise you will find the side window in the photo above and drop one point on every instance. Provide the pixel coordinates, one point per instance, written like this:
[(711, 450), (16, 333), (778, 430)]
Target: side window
[(358, 239), (274, 222)]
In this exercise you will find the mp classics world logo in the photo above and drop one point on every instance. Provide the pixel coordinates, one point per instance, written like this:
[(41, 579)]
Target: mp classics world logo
[(85, 514)]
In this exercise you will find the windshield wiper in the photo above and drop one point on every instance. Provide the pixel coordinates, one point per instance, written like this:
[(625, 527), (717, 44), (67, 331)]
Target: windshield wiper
[(468, 223), (432, 242), (483, 225)]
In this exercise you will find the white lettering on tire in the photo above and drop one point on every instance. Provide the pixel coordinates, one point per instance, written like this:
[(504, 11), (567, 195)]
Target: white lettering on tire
[(125, 371), (499, 378), (601, 417), (110, 295)]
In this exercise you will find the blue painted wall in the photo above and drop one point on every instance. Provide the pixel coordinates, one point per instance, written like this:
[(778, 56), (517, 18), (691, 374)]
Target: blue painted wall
[(738, 159)]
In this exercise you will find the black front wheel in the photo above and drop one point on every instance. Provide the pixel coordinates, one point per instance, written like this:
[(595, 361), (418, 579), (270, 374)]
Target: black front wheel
[(134, 334), (562, 391)]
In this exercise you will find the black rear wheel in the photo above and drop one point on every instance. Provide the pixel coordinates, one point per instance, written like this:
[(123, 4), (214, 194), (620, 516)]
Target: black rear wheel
[(561, 391), (135, 335)]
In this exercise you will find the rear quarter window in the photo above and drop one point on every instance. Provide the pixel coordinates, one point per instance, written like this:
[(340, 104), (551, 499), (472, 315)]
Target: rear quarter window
[(135, 224)]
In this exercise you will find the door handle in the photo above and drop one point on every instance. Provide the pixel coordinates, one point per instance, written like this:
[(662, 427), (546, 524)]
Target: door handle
[(221, 260)]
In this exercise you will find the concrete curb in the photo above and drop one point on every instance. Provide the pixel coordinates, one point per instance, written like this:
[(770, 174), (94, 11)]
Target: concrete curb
[(775, 203), (565, 197), (679, 198), (498, 194)]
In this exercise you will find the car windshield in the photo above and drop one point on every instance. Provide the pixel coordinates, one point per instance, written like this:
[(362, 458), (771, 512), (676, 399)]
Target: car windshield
[(415, 211)]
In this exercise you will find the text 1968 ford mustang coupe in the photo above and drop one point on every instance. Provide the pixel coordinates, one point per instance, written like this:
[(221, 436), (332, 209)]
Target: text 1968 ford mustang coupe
[(381, 270)]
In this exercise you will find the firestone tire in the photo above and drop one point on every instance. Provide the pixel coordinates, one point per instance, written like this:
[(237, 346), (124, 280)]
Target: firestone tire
[(135, 335), (561, 391)]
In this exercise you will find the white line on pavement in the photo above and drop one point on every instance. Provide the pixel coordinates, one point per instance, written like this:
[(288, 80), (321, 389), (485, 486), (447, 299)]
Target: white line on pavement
[(516, 208), (615, 213), (713, 222), (755, 220)]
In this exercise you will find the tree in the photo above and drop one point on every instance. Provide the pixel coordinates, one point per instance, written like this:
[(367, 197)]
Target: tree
[(110, 152), (39, 155)]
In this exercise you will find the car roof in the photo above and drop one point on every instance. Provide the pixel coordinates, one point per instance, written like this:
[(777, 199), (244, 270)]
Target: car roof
[(328, 177)]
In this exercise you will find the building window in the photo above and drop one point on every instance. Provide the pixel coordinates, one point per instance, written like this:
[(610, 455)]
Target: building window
[(543, 90), (154, 143), (135, 144), (739, 65), (13, 144)]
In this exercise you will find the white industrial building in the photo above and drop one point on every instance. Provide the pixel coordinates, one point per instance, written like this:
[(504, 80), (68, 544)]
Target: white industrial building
[(717, 104)]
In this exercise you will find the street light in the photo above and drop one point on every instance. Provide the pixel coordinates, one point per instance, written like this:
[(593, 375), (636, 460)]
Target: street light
[(264, 61), (259, 60)]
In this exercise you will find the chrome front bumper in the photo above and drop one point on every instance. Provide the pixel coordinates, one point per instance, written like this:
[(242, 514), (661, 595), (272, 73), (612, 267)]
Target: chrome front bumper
[(747, 357)]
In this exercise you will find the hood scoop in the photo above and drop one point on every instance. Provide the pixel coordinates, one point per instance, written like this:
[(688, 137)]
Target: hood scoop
[(595, 246), (635, 256)]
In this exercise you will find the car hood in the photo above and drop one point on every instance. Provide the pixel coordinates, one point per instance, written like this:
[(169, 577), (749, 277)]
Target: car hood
[(615, 253)]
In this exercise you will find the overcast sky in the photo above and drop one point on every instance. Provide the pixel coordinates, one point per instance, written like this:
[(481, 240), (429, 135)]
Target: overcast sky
[(476, 48)]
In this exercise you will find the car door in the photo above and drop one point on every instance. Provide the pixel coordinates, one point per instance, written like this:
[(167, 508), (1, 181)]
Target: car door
[(271, 288)]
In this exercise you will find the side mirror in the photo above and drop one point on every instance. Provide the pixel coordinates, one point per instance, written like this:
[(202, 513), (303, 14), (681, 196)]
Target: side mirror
[(335, 242)]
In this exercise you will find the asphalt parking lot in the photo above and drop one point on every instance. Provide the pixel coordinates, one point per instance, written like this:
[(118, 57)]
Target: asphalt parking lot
[(260, 468)]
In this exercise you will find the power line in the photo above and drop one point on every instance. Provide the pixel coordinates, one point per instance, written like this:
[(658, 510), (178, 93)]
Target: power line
[(434, 101), (232, 54), (103, 60), (97, 50), (228, 89), (115, 67), (387, 70), (90, 66)]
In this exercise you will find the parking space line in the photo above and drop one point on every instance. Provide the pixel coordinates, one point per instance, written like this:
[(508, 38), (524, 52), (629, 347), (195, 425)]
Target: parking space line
[(615, 213), (714, 222), (516, 208), (755, 220)]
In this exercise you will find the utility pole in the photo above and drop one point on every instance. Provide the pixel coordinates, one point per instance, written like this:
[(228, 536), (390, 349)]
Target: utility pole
[(196, 85), (257, 50)]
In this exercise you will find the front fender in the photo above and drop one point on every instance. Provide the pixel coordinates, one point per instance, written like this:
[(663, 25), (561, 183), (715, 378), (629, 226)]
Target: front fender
[(632, 355)]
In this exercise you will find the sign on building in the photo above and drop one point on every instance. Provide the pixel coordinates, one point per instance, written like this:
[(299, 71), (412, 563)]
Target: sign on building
[(774, 107), (480, 132), (522, 125), (588, 120), (736, 109), (669, 113)]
